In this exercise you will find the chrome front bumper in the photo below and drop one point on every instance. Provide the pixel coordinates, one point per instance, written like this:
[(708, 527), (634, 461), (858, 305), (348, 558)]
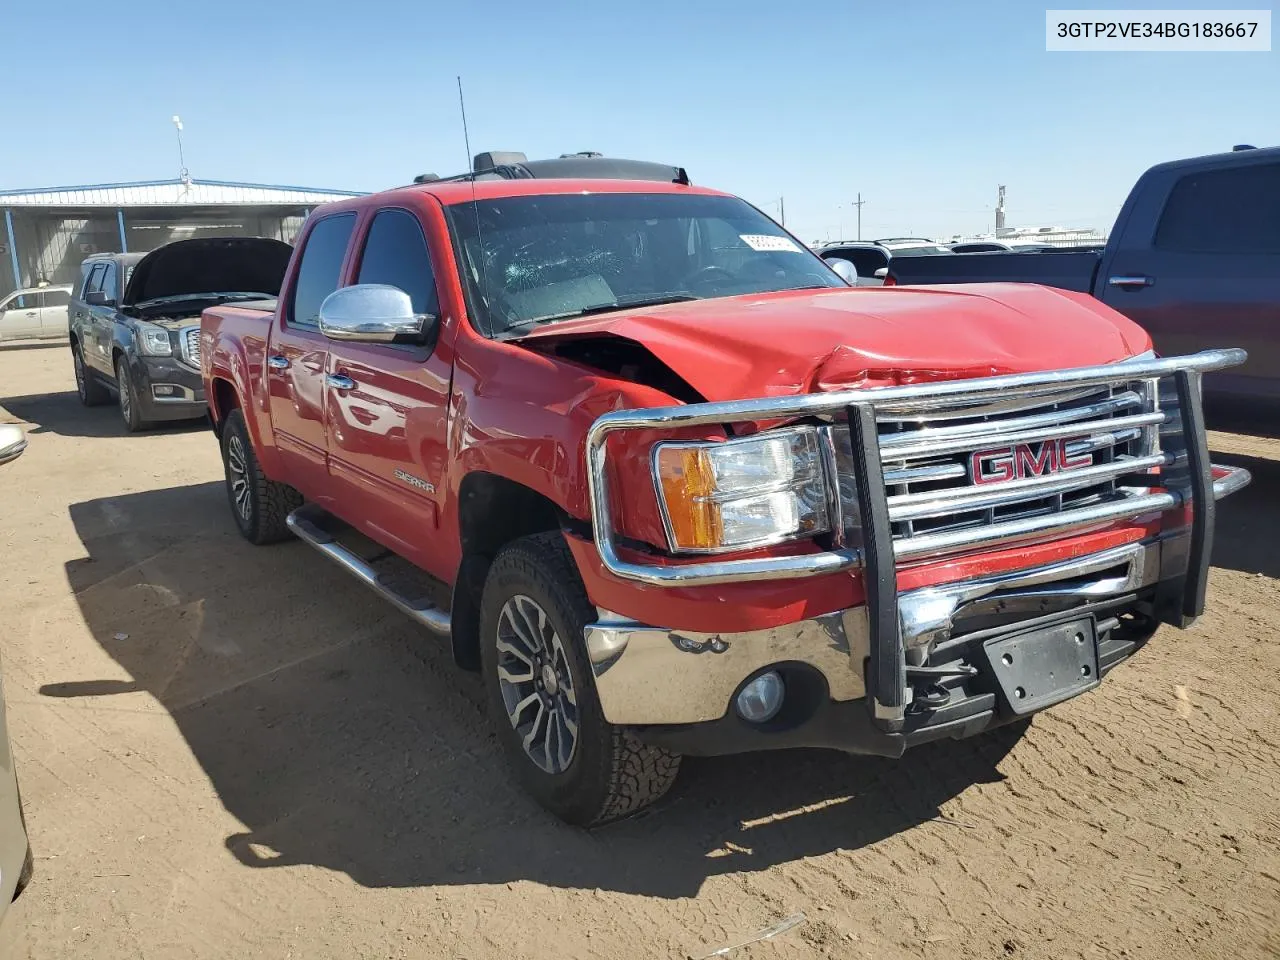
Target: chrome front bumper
[(651, 675)]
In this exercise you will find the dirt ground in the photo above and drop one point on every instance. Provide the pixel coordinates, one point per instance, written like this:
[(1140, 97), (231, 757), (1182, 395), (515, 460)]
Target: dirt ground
[(238, 752)]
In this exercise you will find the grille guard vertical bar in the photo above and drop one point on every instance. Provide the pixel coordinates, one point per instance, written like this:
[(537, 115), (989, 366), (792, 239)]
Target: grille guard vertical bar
[(887, 667), (1203, 503)]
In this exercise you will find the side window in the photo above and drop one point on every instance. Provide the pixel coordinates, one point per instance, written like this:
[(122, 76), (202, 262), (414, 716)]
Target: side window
[(56, 298), (109, 282), (395, 253), (94, 282), (1223, 211), (320, 268)]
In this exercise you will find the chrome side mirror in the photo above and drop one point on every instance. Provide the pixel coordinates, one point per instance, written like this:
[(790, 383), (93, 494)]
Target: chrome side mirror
[(845, 270), (372, 313), (12, 442)]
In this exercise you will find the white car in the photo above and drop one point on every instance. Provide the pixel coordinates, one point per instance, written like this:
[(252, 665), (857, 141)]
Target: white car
[(35, 313)]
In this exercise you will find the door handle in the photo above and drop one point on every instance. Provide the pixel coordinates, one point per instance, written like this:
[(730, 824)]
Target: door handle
[(1135, 280), (339, 382), (278, 363)]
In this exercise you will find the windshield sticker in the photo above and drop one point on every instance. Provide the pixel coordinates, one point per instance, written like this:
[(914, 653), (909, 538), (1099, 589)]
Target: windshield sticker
[(765, 243)]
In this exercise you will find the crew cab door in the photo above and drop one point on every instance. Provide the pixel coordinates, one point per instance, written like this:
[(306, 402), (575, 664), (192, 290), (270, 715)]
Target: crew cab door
[(1208, 275), (297, 355), (100, 325), (387, 403), (20, 316)]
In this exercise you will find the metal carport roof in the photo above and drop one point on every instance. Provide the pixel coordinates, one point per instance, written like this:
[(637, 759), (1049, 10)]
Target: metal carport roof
[(159, 193)]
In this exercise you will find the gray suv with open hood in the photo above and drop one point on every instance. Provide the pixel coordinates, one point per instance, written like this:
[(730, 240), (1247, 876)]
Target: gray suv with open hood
[(135, 320)]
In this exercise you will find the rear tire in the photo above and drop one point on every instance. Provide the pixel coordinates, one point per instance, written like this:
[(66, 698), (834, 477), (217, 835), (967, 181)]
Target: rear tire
[(130, 412), (91, 391), (260, 506), (542, 696)]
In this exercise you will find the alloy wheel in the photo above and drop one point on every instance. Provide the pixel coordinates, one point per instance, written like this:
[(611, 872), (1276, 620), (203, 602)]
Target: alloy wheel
[(81, 387), (238, 476), (537, 685)]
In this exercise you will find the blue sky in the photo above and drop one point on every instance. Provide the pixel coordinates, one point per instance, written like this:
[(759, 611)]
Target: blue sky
[(924, 107)]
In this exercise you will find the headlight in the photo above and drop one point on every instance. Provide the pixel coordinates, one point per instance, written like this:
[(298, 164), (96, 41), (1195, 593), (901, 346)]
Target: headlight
[(153, 340), (734, 494)]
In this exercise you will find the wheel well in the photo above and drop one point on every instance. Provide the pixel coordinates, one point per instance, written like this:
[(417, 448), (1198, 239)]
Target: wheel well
[(492, 512), (225, 399)]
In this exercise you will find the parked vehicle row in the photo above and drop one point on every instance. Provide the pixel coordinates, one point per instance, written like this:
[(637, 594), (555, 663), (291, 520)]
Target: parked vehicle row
[(652, 467), (1193, 258), (871, 259)]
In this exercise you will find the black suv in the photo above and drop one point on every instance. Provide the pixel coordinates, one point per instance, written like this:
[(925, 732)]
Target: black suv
[(135, 320)]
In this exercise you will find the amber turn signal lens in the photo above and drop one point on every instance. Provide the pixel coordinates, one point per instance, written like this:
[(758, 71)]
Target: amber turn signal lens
[(687, 484)]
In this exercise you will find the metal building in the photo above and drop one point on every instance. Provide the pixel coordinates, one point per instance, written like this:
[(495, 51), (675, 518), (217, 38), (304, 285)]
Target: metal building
[(47, 232)]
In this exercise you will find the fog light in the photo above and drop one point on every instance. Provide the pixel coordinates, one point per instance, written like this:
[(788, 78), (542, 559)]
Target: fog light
[(761, 699), (164, 390)]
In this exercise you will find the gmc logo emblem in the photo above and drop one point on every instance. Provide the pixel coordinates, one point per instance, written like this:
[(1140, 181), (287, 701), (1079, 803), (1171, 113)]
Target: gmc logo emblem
[(1022, 460)]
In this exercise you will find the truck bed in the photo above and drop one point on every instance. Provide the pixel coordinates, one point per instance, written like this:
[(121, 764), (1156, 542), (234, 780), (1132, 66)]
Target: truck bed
[(1067, 270)]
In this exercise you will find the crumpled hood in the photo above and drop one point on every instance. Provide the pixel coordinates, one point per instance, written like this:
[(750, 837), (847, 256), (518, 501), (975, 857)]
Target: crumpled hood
[(209, 265), (794, 342)]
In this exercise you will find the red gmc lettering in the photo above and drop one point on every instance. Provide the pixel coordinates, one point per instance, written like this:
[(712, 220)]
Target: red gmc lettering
[(1020, 461)]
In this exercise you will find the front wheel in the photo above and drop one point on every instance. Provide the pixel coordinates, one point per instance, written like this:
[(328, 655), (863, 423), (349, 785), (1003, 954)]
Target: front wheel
[(130, 411), (542, 695)]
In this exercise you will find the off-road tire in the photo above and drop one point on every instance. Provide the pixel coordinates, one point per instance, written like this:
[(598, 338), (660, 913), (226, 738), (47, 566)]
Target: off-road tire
[(266, 504), (611, 774), (130, 412), (91, 391)]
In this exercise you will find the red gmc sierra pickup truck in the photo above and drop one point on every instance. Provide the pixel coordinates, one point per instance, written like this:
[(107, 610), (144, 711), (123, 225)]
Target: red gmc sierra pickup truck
[(675, 488)]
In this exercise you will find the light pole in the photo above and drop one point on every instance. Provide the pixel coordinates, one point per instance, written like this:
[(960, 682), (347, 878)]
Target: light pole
[(182, 162)]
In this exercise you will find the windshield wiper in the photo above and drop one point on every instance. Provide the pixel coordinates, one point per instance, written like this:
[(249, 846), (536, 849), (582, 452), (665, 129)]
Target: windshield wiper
[(626, 304), (636, 302)]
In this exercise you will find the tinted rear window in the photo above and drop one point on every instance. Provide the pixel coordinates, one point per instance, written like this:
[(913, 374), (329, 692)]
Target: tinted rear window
[(1223, 211), (866, 261)]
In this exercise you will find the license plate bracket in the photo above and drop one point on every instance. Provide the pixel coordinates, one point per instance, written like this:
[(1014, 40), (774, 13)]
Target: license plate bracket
[(1040, 667)]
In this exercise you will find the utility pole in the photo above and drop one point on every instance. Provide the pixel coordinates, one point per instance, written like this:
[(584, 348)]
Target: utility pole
[(782, 210), (859, 206)]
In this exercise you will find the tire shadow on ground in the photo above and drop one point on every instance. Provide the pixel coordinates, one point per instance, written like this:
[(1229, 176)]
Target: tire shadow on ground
[(1247, 523), (63, 413)]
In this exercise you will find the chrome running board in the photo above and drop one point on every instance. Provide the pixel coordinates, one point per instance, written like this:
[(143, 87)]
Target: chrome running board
[(306, 524)]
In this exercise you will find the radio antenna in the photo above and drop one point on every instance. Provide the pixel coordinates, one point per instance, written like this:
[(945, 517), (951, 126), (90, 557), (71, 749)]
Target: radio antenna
[(475, 205)]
